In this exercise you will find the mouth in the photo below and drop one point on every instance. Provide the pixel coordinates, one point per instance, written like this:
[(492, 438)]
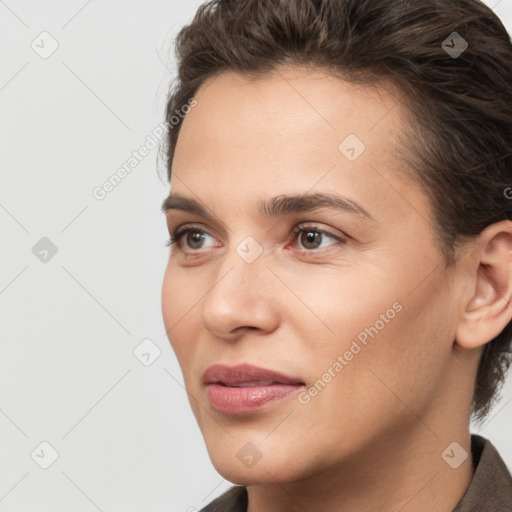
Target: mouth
[(245, 388), (248, 384), (245, 375)]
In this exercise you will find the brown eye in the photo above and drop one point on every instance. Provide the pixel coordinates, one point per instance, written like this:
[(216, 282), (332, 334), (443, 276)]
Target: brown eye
[(193, 242), (311, 238)]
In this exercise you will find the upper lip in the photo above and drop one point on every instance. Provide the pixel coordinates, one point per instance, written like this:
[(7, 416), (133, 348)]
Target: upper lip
[(232, 375)]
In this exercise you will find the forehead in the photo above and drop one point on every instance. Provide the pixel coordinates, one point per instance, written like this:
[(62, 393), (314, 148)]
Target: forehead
[(289, 112), (292, 131), (306, 94)]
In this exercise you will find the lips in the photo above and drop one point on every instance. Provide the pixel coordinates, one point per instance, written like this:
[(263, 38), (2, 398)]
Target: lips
[(244, 375), (244, 388)]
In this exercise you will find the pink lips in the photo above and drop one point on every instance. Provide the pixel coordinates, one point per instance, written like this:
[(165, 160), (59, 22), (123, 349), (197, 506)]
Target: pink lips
[(245, 388)]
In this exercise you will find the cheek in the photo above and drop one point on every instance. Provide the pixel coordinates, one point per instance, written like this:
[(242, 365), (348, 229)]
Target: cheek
[(398, 365), (343, 304), (178, 302), (387, 333)]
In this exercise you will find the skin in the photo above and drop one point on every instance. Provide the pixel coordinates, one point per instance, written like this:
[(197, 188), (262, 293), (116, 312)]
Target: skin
[(372, 438)]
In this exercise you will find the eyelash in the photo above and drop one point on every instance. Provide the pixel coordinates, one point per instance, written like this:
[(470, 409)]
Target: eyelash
[(181, 232)]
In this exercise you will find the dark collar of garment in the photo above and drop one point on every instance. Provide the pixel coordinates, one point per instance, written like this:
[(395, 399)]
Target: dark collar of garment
[(490, 489)]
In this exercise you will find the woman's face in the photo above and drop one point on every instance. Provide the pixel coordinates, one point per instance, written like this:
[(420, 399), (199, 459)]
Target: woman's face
[(356, 308)]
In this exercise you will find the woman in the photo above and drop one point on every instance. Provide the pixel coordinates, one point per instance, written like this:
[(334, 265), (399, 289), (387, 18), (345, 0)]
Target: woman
[(338, 288)]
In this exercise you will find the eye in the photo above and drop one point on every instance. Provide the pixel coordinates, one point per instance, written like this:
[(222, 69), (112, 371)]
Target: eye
[(311, 238), (195, 241)]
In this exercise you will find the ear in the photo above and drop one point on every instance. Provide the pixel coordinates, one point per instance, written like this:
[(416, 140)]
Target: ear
[(487, 308)]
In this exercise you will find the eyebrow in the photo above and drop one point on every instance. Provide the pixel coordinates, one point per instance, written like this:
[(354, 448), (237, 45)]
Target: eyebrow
[(275, 206)]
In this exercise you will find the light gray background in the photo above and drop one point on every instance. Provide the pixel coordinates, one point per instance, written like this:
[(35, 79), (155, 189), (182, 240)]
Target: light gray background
[(125, 436)]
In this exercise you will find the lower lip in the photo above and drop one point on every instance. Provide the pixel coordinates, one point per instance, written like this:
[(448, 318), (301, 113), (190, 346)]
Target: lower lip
[(248, 399)]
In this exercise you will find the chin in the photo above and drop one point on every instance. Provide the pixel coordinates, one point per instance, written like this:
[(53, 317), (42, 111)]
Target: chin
[(260, 474), (242, 463)]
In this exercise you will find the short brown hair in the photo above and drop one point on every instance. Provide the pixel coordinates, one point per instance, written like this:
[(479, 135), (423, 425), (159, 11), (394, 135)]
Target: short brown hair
[(459, 143)]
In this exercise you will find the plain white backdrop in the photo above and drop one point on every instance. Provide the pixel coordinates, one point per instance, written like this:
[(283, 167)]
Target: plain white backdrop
[(85, 424)]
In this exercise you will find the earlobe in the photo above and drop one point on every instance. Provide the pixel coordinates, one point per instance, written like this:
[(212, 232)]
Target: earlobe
[(489, 307)]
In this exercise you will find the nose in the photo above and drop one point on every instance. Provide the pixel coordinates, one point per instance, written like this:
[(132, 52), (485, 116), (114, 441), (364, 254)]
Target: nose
[(243, 298)]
